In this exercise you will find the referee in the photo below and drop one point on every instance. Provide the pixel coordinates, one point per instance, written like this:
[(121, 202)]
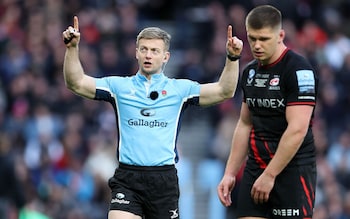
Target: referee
[(148, 108)]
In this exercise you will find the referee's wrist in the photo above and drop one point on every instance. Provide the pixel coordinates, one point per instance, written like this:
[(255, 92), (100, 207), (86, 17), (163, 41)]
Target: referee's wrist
[(233, 57)]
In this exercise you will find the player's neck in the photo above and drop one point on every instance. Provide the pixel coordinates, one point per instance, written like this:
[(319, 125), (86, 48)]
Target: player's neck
[(281, 49)]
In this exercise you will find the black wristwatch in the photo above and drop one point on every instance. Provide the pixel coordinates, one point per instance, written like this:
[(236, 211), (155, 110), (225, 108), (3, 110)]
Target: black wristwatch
[(233, 58)]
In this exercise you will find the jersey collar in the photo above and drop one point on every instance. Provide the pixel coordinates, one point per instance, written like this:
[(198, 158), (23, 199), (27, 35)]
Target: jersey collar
[(154, 78), (275, 62)]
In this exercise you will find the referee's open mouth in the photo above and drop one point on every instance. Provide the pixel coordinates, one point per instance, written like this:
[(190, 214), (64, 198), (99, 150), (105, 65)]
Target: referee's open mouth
[(147, 64)]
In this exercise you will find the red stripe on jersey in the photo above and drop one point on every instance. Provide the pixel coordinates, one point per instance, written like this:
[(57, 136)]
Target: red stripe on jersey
[(275, 62), (258, 159), (301, 103)]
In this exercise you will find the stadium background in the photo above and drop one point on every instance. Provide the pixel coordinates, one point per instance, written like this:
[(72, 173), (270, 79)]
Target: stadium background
[(57, 150)]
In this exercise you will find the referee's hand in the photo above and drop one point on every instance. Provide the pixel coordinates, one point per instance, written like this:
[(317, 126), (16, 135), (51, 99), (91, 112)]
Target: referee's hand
[(71, 36), (234, 45)]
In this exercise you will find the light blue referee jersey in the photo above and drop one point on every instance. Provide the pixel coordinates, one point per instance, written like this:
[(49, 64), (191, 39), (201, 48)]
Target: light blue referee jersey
[(148, 115)]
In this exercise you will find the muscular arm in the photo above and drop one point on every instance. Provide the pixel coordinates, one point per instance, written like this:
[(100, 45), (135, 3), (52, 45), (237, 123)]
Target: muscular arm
[(239, 151), (298, 118), (239, 147), (75, 78), (213, 93)]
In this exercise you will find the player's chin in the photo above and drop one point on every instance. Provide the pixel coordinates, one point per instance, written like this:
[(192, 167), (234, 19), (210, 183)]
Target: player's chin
[(262, 59)]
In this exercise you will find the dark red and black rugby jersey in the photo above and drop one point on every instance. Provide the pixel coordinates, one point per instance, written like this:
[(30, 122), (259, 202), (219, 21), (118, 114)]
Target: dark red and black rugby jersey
[(268, 90)]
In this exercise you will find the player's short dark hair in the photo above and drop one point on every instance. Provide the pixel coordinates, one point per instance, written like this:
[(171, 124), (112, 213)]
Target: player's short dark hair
[(264, 16)]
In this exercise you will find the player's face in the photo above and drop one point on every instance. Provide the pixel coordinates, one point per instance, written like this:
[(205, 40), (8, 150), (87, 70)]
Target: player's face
[(264, 44), (151, 56)]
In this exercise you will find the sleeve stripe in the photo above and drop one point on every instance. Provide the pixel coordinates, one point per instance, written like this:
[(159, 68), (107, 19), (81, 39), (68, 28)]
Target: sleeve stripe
[(301, 103)]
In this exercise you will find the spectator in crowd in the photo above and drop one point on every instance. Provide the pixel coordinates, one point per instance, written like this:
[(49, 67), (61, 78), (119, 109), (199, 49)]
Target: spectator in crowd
[(339, 158)]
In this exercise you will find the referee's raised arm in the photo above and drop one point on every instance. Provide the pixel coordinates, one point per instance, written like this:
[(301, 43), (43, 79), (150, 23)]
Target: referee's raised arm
[(75, 78), (225, 87)]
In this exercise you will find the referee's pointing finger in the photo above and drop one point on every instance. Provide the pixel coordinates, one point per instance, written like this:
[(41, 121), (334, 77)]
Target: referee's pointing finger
[(229, 32), (76, 23)]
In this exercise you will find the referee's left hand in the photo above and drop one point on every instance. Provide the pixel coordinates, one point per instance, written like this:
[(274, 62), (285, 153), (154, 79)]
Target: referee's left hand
[(71, 36), (234, 45)]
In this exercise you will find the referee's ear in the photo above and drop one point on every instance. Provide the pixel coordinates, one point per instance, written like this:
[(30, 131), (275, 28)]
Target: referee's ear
[(166, 57)]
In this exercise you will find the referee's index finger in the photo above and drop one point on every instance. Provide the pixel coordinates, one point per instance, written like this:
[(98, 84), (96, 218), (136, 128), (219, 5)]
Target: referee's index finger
[(229, 32), (76, 23)]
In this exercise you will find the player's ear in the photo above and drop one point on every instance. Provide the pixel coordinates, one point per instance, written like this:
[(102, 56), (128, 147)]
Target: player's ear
[(281, 36)]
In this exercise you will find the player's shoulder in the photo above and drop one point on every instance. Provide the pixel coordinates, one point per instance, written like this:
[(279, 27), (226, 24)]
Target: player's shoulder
[(252, 64), (293, 58)]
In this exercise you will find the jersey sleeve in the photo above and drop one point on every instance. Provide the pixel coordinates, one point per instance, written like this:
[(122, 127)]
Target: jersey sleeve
[(104, 90), (188, 90), (302, 85)]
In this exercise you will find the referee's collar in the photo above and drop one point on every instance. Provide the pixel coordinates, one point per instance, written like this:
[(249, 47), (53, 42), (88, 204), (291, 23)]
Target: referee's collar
[(154, 77)]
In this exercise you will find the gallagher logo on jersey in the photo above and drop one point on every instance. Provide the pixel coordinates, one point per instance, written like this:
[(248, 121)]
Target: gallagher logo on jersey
[(148, 112)]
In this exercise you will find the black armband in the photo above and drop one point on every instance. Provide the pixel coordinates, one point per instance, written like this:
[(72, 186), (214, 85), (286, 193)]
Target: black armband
[(233, 58)]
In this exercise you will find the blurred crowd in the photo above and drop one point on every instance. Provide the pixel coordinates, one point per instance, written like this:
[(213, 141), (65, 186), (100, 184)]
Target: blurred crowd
[(57, 150)]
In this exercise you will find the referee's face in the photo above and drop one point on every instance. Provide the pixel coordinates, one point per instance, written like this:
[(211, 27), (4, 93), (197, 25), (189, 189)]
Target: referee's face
[(264, 43), (151, 56)]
